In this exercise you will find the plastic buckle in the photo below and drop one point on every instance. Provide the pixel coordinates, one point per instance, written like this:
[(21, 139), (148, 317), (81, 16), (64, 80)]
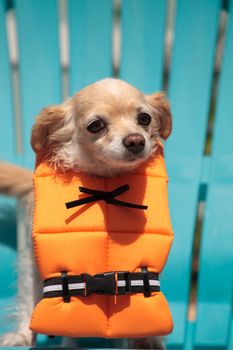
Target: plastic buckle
[(103, 283)]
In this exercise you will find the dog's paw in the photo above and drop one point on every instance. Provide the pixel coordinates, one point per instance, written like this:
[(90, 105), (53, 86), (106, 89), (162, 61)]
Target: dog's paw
[(16, 339), (69, 342), (146, 343)]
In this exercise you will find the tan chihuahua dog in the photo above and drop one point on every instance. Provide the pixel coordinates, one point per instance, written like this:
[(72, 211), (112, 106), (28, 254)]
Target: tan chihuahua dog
[(106, 129)]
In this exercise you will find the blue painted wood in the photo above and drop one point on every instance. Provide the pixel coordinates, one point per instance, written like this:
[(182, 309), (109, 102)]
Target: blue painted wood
[(7, 144), (189, 91), (189, 337), (8, 276), (143, 29), (39, 66), (7, 260), (183, 196), (215, 287), (191, 74), (230, 344), (7, 209), (90, 24), (7, 247)]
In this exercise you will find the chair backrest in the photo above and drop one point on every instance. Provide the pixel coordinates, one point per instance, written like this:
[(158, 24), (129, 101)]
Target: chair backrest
[(40, 76)]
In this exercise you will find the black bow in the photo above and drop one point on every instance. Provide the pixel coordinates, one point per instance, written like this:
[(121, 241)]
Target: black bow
[(108, 197)]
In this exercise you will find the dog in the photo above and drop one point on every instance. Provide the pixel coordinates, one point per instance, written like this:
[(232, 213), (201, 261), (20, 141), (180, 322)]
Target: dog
[(106, 129)]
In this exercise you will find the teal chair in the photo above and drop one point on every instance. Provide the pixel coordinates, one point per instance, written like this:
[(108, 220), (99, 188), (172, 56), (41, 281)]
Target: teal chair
[(195, 176)]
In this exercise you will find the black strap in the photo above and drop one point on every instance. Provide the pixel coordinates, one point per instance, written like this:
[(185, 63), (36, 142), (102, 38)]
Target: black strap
[(127, 277), (108, 283), (108, 197), (146, 282), (65, 287)]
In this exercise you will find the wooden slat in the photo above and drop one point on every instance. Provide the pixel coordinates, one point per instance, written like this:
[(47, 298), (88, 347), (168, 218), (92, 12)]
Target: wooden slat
[(190, 89), (8, 257), (230, 344), (7, 153), (7, 250), (90, 26), (7, 144), (143, 29), (215, 288), (191, 73), (39, 68)]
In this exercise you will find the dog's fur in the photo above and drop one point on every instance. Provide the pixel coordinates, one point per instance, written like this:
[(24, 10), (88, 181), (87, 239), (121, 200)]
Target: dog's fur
[(60, 135), (62, 138)]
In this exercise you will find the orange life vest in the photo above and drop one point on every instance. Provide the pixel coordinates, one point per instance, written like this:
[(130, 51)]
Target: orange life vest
[(100, 261)]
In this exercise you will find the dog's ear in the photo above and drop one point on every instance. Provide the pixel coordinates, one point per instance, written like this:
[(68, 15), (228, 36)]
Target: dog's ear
[(50, 128), (161, 106)]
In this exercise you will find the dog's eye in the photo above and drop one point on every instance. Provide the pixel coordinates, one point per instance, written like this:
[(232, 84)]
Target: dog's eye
[(96, 126), (144, 119)]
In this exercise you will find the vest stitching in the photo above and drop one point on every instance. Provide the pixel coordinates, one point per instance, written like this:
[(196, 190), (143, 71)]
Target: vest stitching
[(107, 254), (169, 233), (35, 241)]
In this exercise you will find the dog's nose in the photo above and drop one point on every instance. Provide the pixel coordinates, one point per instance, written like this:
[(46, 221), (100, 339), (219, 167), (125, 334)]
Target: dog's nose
[(134, 143)]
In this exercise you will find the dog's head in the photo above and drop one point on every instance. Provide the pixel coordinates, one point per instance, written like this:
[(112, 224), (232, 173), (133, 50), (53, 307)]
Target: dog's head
[(107, 128)]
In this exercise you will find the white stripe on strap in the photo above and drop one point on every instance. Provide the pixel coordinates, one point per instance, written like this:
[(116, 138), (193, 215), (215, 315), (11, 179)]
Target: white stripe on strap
[(80, 285), (136, 283), (58, 287), (54, 288)]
